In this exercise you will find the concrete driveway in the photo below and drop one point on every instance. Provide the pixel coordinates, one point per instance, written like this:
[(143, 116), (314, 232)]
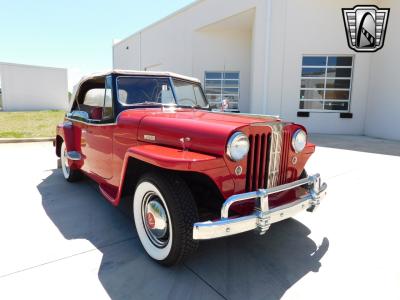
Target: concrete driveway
[(64, 241)]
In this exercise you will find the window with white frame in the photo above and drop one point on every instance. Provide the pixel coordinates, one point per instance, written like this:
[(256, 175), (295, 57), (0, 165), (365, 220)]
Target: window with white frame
[(326, 83), (222, 85)]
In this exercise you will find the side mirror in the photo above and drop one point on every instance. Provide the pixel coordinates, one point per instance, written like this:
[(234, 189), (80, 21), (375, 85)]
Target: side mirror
[(79, 115)]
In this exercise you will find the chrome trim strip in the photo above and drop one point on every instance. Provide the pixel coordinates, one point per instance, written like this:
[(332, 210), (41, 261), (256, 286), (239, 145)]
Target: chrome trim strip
[(91, 124), (275, 149), (262, 217)]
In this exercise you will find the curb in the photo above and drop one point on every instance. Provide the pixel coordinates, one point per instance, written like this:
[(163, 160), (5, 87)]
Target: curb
[(25, 140)]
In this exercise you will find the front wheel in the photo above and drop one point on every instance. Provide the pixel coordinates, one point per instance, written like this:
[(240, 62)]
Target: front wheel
[(165, 211)]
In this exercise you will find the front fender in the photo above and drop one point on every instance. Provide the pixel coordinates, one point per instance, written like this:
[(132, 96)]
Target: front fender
[(175, 159), (180, 160)]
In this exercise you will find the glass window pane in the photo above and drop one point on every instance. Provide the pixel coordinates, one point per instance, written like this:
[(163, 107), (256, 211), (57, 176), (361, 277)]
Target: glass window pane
[(231, 90), (139, 90), (231, 75), (214, 83), (338, 83), (313, 83), (311, 94), (231, 83), (314, 60), (339, 72), (336, 105), (186, 94), (232, 98), (311, 105), (313, 72), (340, 95), (213, 75), (340, 61), (213, 90), (215, 105), (214, 98)]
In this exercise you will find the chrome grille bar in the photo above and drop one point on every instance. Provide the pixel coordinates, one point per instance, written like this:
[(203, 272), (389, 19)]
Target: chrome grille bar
[(275, 154)]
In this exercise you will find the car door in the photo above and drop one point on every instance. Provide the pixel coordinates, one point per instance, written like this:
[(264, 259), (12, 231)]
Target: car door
[(97, 136)]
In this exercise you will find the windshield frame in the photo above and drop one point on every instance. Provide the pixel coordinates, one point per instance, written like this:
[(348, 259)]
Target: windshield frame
[(154, 104)]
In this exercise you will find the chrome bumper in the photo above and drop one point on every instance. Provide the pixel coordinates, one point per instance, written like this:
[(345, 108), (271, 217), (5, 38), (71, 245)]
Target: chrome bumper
[(262, 217)]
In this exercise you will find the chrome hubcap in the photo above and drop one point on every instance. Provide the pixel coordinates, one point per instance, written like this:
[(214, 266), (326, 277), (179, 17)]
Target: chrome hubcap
[(155, 219), (65, 162)]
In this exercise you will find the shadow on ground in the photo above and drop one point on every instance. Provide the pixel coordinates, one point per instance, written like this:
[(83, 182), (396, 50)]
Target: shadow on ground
[(357, 143), (244, 266)]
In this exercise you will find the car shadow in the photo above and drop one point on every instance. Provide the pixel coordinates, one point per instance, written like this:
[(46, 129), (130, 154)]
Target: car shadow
[(357, 143), (242, 266)]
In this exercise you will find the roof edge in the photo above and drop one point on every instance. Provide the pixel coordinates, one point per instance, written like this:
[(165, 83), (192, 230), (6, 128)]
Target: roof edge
[(140, 73), (31, 66), (183, 9)]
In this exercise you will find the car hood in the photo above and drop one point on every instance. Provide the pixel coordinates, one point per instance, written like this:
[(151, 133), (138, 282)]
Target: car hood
[(203, 131)]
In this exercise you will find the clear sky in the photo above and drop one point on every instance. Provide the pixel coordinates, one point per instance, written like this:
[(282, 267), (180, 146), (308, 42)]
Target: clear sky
[(73, 34)]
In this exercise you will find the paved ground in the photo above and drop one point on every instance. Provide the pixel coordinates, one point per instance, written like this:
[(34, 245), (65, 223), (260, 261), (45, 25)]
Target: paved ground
[(64, 241)]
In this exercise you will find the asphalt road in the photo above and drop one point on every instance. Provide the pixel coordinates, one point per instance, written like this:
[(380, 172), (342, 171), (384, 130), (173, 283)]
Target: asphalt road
[(64, 241)]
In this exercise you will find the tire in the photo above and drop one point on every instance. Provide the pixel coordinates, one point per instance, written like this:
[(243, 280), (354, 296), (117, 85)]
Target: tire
[(164, 213), (70, 175)]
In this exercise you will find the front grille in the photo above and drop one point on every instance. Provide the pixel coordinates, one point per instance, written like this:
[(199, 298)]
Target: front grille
[(267, 160)]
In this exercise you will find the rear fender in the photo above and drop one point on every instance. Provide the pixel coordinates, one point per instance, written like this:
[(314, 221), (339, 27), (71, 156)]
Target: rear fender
[(71, 135)]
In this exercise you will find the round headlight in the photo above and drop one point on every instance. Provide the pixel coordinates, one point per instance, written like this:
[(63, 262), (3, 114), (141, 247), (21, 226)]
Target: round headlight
[(238, 146), (299, 140)]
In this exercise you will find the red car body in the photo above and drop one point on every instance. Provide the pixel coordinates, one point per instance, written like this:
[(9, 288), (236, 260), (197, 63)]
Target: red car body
[(190, 142)]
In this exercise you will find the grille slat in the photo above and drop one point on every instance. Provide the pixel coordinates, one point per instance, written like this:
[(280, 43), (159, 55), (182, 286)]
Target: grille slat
[(285, 157), (267, 161), (263, 162), (256, 167), (249, 175)]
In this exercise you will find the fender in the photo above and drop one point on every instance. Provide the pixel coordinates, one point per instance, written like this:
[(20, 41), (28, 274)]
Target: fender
[(178, 160), (71, 136)]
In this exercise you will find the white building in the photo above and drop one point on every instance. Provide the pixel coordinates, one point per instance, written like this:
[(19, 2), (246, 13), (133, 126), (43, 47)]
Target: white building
[(25, 87), (263, 48)]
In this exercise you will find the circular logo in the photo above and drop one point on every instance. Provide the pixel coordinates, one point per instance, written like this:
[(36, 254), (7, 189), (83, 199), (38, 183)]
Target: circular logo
[(238, 170), (151, 222), (294, 160)]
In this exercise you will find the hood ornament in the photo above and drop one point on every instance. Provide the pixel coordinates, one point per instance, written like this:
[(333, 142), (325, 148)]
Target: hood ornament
[(184, 142)]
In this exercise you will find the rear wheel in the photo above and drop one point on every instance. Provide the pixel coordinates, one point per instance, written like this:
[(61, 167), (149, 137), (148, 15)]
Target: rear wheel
[(165, 211), (70, 175)]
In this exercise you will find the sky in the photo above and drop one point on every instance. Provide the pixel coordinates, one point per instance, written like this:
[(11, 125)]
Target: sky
[(76, 35)]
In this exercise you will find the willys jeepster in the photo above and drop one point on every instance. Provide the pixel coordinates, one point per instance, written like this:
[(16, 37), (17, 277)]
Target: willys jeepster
[(184, 172)]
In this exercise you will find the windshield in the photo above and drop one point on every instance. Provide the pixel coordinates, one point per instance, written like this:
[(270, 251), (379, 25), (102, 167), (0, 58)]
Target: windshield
[(158, 90), (144, 90), (189, 94)]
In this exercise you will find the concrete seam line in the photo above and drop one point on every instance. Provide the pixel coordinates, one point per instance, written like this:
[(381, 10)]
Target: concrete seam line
[(66, 257), (205, 281), (25, 140)]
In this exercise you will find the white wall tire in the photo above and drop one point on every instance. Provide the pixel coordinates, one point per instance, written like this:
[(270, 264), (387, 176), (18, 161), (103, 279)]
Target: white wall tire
[(156, 252), (179, 213), (69, 174)]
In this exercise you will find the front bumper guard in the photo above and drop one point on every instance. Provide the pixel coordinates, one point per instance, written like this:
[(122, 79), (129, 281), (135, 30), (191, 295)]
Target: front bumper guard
[(263, 216)]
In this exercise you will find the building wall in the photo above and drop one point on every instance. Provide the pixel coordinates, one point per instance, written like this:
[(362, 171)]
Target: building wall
[(201, 38), (269, 56), (313, 27), (383, 110), (33, 88)]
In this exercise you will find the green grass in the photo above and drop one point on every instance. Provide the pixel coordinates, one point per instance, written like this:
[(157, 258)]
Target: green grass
[(29, 124)]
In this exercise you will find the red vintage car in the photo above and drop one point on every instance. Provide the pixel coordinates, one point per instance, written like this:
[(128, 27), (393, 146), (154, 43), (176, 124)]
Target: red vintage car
[(184, 172)]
